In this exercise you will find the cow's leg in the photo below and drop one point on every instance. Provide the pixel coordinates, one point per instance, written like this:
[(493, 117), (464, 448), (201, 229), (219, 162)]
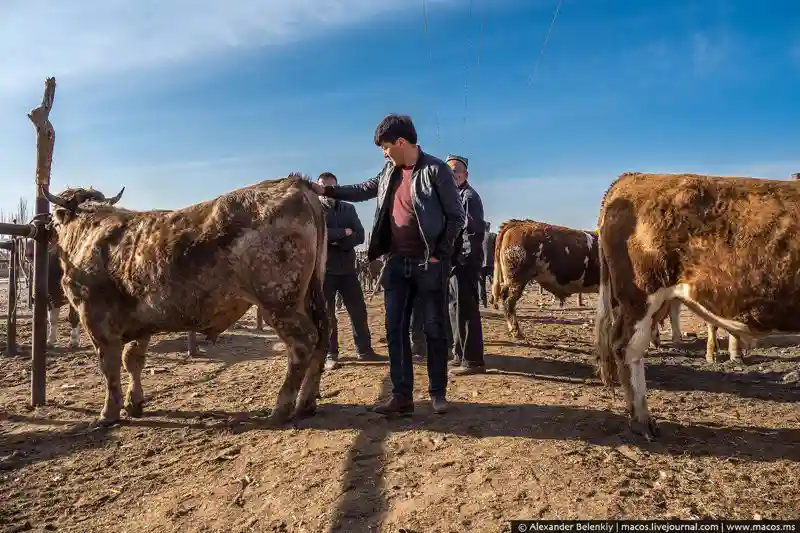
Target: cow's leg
[(711, 342), (580, 299), (510, 309), (301, 336), (75, 330), (110, 355), (52, 333), (133, 357), (634, 353), (733, 348), (675, 320)]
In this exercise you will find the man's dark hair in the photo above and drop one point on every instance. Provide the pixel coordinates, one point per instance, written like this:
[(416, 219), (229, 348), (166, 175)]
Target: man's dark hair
[(327, 176), (394, 127)]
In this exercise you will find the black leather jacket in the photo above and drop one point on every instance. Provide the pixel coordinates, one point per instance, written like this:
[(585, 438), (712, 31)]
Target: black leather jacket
[(341, 247), (435, 198)]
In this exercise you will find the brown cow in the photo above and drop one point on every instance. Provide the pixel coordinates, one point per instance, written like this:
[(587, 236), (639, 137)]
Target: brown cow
[(132, 274), (561, 260), (725, 247)]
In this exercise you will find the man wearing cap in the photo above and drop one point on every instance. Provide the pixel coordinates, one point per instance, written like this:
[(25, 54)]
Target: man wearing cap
[(465, 315)]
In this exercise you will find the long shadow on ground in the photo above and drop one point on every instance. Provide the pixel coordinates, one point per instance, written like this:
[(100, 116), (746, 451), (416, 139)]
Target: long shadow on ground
[(531, 421), (660, 376)]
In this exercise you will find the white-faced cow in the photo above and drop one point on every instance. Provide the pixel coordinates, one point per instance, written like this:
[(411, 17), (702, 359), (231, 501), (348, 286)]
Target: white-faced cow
[(563, 261), (132, 274), (726, 247)]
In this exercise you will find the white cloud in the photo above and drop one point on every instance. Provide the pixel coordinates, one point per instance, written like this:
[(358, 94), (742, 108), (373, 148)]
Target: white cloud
[(88, 38)]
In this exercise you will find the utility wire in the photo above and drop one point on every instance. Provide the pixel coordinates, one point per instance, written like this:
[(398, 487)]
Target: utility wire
[(544, 44)]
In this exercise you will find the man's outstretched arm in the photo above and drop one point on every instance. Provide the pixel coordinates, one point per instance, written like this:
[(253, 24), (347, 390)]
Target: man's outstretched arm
[(359, 192)]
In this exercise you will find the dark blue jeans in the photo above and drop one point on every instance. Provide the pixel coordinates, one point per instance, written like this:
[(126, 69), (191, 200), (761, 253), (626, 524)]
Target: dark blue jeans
[(405, 280)]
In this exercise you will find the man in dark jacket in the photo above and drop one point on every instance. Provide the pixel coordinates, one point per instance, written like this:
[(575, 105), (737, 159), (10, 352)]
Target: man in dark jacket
[(487, 275), (465, 314), (417, 221), (345, 232)]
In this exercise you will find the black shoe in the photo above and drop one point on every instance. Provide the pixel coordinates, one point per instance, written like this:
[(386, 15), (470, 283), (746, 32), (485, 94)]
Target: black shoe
[(394, 406), (370, 356)]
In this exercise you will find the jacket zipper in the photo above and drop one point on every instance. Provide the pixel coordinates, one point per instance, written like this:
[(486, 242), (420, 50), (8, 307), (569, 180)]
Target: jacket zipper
[(419, 224)]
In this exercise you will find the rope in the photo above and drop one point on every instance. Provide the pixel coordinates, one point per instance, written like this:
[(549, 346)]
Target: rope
[(544, 44), (430, 62)]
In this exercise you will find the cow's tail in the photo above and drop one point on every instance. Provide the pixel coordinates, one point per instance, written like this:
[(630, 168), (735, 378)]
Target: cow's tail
[(604, 323), (317, 305), (499, 290)]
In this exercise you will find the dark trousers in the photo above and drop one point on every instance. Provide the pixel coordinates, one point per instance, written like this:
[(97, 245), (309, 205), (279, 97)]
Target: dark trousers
[(486, 278), (418, 344), (353, 298), (406, 280), (465, 315)]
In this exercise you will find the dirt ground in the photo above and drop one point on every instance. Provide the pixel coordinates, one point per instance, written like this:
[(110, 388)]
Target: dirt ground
[(536, 437)]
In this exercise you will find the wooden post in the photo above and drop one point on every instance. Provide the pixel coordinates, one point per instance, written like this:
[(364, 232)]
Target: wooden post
[(11, 322), (45, 141)]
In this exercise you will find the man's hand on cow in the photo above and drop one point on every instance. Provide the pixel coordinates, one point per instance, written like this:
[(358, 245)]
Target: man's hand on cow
[(317, 188), (348, 232)]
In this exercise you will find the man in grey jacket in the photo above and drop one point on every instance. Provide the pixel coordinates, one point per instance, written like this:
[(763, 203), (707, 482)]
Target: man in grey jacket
[(417, 221), (465, 314), (345, 232)]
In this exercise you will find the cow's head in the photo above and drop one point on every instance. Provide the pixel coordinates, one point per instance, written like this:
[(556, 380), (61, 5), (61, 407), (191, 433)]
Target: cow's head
[(73, 201)]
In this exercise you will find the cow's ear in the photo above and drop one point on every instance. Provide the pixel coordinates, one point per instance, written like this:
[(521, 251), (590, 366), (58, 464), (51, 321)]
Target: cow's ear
[(62, 216)]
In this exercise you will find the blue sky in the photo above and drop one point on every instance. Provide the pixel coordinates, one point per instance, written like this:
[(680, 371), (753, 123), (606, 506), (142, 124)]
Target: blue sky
[(183, 100)]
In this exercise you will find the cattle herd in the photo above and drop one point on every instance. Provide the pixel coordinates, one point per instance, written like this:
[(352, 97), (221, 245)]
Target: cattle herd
[(725, 247)]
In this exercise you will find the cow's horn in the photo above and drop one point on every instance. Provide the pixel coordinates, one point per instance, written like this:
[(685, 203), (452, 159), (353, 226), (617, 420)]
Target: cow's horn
[(53, 199), (116, 198)]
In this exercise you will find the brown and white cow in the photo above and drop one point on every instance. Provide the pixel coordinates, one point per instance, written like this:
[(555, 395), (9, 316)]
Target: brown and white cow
[(561, 260), (132, 274), (726, 247)]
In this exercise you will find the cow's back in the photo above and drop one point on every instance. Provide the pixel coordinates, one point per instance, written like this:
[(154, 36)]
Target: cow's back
[(191, 267), (562, 260), (708, 232)]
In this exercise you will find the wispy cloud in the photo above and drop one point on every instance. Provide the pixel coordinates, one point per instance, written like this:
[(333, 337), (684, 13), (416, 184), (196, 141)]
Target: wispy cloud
[(96, 37), (709, 51)]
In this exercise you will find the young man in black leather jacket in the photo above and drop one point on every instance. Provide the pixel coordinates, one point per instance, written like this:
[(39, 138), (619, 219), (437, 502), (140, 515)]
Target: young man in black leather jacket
[(418, 218)]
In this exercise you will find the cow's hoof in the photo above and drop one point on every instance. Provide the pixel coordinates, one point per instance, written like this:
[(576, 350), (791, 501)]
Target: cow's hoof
[(647, 430), (106, 421), (280, 415), (305, 411), (135, 410)]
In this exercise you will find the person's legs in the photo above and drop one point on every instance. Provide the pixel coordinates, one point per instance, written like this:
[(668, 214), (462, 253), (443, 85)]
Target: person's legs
[(469, 333), (431, 283), (419, 346), (353, 298), (330, 287), (397, 294)]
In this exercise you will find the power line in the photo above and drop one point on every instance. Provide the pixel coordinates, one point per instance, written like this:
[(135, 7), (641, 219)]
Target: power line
[(544, 44), (430, 63)]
